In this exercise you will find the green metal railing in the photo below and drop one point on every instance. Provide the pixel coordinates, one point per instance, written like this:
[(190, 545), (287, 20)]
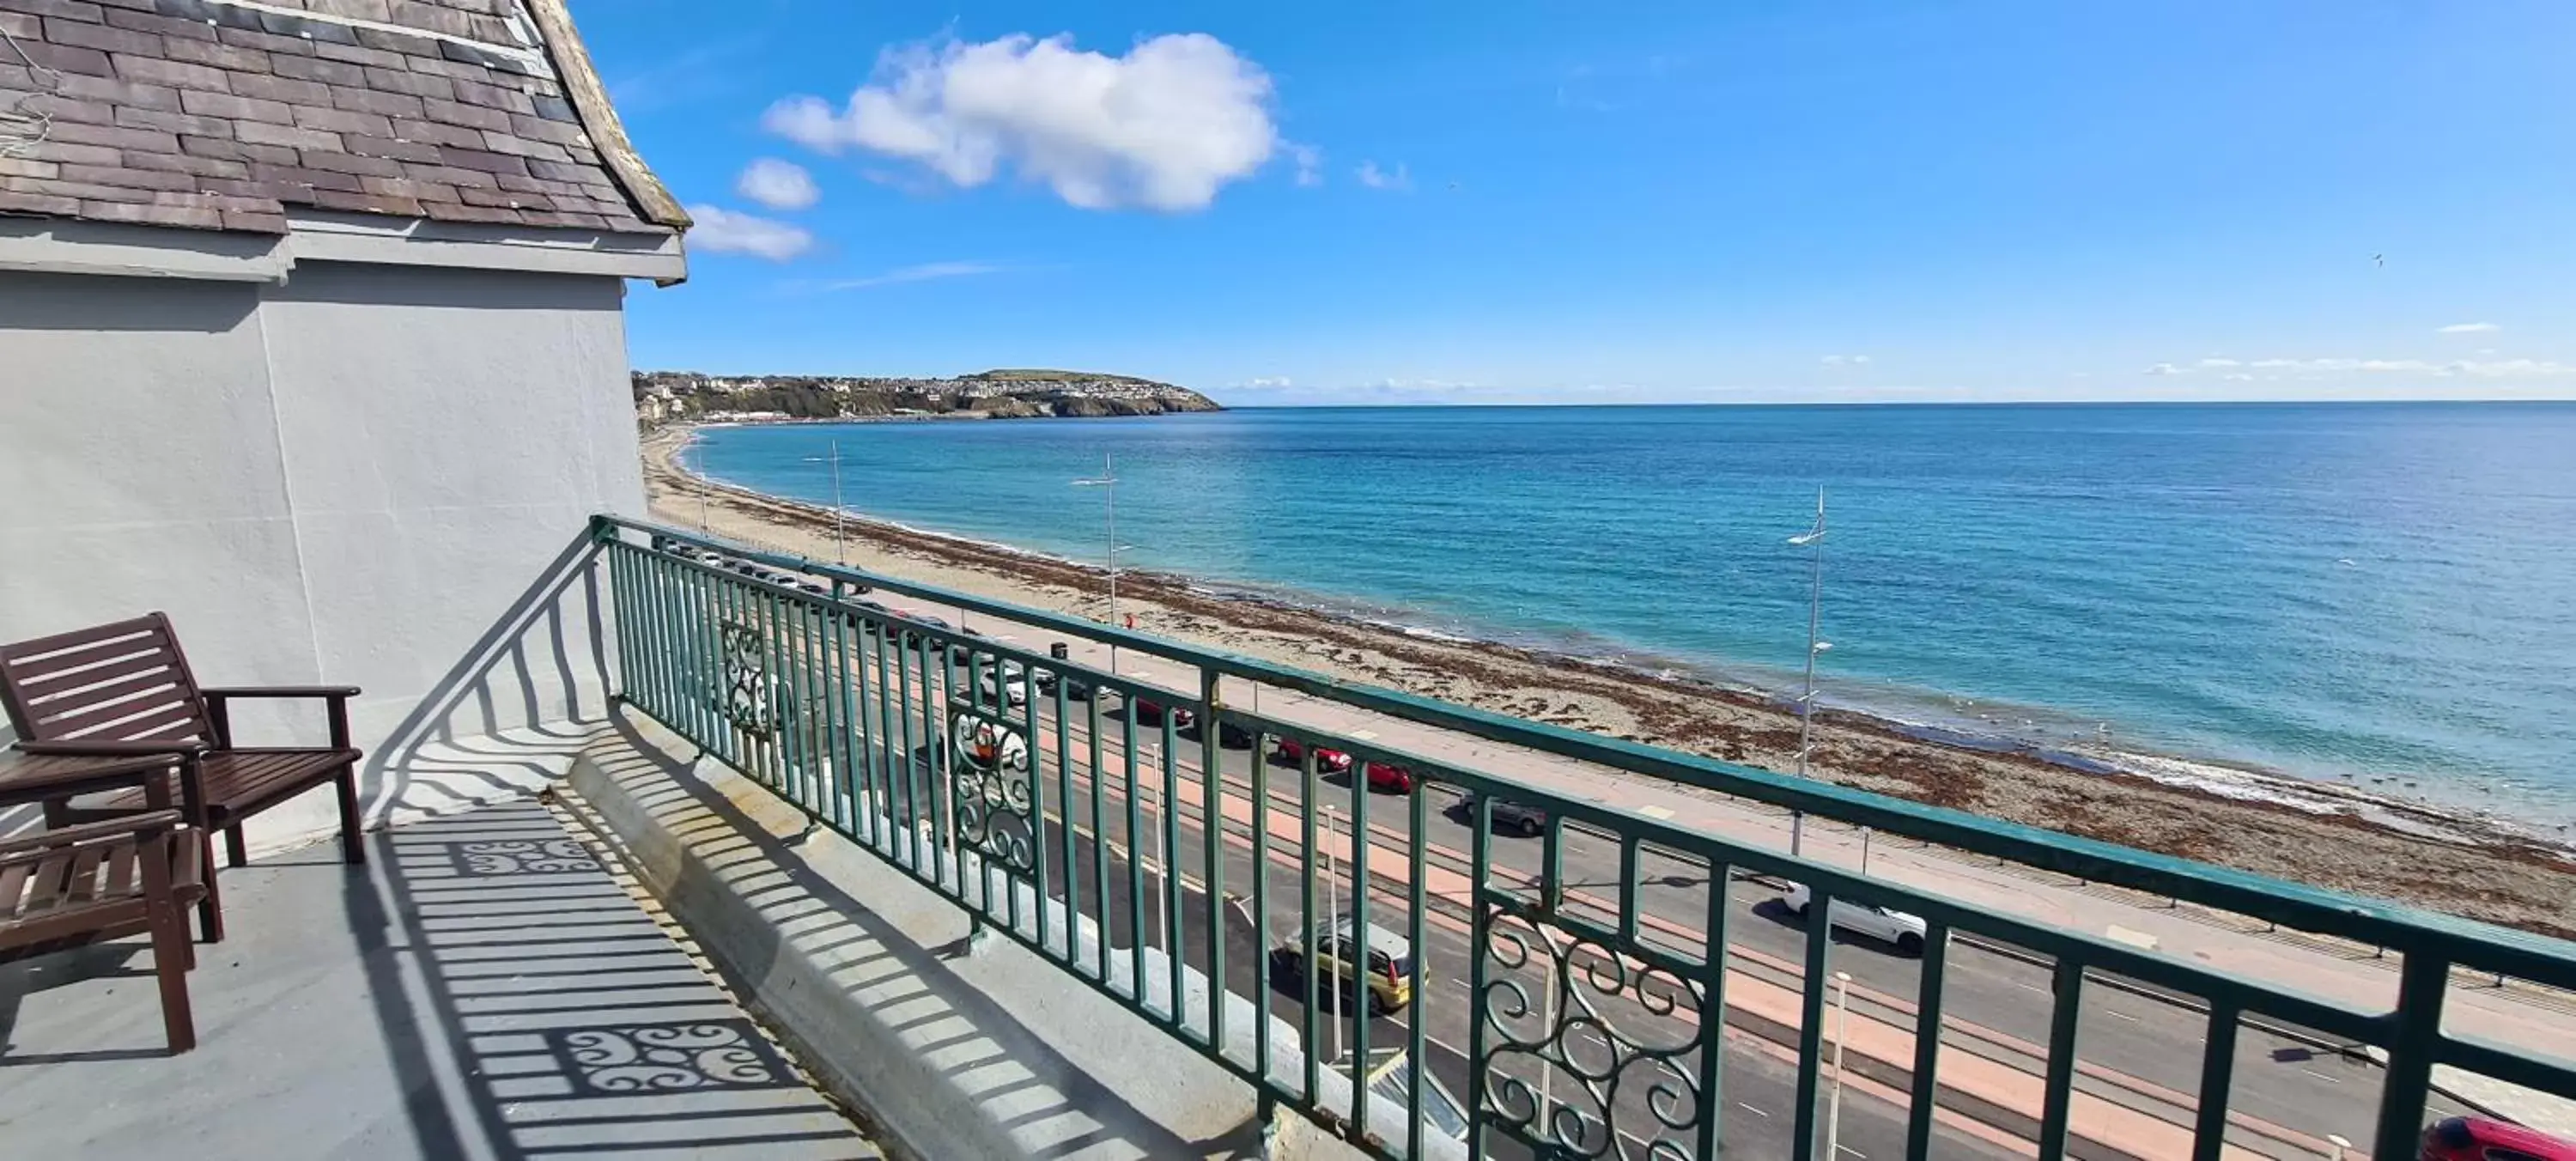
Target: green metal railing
[(1207, 867)]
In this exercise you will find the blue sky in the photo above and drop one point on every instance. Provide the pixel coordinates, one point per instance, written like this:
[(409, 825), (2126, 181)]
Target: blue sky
[(1323, 203)]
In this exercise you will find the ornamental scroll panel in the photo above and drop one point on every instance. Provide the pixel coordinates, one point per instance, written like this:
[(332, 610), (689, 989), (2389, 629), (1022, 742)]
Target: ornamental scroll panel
[(993, 795), (1613, 1040)]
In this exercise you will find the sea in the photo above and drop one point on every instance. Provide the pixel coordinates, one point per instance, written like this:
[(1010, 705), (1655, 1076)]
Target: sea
[(2381, 596)]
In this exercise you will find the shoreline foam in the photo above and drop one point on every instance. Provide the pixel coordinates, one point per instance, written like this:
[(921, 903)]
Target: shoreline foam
[(2338, 808)]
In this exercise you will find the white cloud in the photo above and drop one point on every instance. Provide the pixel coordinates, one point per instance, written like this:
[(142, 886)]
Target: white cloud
[(722, 231), (2476, 328), (923, 272), (1310, 163), (1846, 360), (780, 185), (2430, 368), (1163, 127), (1398, 179), (1269, 383)]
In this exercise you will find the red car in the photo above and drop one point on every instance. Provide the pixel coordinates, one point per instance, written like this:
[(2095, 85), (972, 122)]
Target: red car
[(2479, 1139), (1389, 778), (1326, 760)]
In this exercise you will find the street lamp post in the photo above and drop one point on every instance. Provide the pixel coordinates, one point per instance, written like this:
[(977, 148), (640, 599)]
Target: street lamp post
[(1107, 481), (840, 546), (1813, 538), (1834, 1103)]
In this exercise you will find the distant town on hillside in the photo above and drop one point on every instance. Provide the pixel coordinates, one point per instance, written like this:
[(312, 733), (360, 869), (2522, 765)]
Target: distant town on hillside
[(663, 397)]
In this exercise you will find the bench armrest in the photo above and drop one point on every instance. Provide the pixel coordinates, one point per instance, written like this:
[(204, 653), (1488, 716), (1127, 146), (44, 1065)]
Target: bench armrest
[(275, 691), (135, 824), (219, 699), (85, 748)]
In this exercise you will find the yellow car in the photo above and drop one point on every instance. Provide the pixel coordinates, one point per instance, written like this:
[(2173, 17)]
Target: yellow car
[(1390, 962)]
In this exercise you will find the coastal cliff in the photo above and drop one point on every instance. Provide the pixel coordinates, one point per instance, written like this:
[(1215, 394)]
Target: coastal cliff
[(663, 397)]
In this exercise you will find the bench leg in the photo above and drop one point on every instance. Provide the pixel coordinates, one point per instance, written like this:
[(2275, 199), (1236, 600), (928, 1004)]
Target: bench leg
[(171, 957), (353, 838), (210, 912), (235, 854)]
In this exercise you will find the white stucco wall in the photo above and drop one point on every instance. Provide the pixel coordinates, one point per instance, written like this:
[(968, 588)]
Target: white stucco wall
[(351, 478)]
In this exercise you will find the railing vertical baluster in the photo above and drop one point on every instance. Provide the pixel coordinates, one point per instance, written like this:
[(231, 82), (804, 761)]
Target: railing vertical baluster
[(1480, 824), (633, 576), (897, 806), (1359, 961), (2423, 982), (629, 656), (690, 617), (1811, 1024), (1135, 871), (845, 750), (667, 623), (1065, 823), (900, 640), (1034, 747), (1100, 846), (1418, 902), (1712, 1015), (1212, 832), (1308, 923), (1173, 943), (932, 711), (1260, 912), (2068, 985), (863, 758), (2217, 1082), (1551, 866), (1927, 1039), (1628, 904)]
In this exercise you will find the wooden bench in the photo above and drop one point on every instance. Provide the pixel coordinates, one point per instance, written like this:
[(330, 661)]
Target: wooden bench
[(66, 887), (124, 689)]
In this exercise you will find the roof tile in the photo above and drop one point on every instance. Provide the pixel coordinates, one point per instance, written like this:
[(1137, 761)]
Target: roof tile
[(68, 151), (304, 68), (362, 202), (265, 41), (221, 56), (64, 109), (287, 89), (403, 187), (186, 163), (290, 176), (461, 212), (540, 129), (120, 176), (448, 175), (156, 23), (85, 191), (401, 42), (191, 217), (416, 84), (413, 129), (460, 113), (22, 167), (350, 163), (242, 110), (365, 145), (66, 58), (263, 133), (176, 73), (382, 104), (22, 25), (154, 140), (48, 205), (237, 150), (359, 55), (116, 92), (343, 121), (99, 36), (66, 9), (254, 223), (482, 159), (133, 118)]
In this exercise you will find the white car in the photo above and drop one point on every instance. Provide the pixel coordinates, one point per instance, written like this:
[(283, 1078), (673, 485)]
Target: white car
[(1879, 923)]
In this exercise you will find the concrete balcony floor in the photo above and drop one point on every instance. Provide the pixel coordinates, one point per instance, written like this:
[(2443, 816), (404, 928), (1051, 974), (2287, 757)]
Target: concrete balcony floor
[(483, 988)]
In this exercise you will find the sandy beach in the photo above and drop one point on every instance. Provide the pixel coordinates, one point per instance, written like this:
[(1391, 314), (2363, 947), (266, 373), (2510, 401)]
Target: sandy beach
[(2325, 834)]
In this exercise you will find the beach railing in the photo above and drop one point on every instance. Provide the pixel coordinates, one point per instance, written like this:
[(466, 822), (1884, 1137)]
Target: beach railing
[(1339, 923)]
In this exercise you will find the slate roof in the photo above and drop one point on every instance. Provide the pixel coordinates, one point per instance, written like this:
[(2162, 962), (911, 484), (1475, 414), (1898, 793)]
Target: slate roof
[(220, 114)]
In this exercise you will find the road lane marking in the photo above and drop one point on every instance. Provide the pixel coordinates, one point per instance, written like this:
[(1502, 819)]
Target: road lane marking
[(1657, 812), (2122, 1015), (2320, 1076), (1751, 1109)]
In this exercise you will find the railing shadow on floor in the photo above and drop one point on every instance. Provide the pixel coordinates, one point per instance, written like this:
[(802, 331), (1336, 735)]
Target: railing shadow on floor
[(531, 1008), (907, 983)]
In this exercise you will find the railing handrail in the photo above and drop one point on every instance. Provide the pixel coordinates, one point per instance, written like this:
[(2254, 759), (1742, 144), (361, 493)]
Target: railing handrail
[(2397, 926)]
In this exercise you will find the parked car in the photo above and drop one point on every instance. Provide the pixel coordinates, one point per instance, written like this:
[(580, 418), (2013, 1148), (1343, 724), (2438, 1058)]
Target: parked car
[(1388, 777), (1075, 686), (1389, 976), (1327, 760), (1148, 712), (1880, 923), (2480, 1139), (1233, 737), (1518, 817), (1005, 683)]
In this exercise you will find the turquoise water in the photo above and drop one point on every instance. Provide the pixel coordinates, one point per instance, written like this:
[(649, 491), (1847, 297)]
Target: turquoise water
[(2330, 590)]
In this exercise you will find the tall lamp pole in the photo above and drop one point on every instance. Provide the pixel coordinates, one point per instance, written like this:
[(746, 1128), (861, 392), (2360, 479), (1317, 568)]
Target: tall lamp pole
[(840, 547), (1814, 539), (1107, 481)]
